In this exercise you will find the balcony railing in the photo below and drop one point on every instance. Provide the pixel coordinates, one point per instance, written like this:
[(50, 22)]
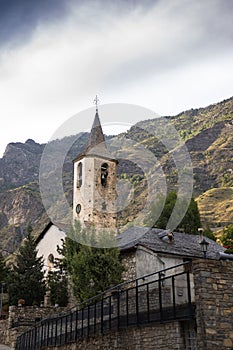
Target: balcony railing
[(162, 296)]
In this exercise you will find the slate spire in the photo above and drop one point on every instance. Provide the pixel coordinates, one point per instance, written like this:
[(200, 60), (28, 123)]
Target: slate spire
[(96, 145), (96, 136)]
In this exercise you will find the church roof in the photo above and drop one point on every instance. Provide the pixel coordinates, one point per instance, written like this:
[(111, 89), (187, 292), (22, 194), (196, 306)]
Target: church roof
[(96, 145), (183, 244)]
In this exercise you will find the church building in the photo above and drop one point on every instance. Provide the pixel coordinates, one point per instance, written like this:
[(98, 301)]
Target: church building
[(144, 250)]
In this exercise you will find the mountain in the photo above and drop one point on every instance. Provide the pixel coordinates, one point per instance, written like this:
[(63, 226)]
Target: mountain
[(207, 132), (216, 206), (20, 200), (20, 164)]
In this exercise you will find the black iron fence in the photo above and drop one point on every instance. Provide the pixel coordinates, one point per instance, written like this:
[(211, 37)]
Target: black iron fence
[(158, 297)]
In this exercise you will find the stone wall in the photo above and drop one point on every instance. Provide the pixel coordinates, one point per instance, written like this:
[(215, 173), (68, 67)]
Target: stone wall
[(3, 330), (214, 304), (129, 263), (22, 318), (138, 338)]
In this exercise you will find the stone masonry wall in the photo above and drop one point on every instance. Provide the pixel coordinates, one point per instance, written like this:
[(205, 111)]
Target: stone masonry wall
[(214, 304), (3, 330), (138, 338), (19, 320), (129, 263)]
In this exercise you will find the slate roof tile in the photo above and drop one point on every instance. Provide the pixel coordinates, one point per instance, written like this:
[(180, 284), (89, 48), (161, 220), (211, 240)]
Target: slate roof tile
[(186, 245)]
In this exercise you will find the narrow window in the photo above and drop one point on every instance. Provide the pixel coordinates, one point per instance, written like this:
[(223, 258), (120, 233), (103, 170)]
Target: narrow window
[(79, 179), (104, 174), (51, 260)]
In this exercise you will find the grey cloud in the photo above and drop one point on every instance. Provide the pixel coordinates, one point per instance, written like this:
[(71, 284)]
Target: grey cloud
[(19, 18), (126, 50), (181, 33)]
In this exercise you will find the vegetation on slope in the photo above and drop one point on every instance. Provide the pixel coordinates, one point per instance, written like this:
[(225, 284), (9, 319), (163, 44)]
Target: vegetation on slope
[(216, 206)]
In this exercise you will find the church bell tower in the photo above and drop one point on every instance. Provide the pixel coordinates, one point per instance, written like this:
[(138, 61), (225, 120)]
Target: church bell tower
[(94, 193)]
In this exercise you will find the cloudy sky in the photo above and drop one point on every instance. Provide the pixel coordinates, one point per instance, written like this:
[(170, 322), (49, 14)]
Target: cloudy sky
[(56, 55)]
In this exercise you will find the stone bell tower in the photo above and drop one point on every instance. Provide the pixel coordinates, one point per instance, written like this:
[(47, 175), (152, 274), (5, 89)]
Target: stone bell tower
[(94, 193)]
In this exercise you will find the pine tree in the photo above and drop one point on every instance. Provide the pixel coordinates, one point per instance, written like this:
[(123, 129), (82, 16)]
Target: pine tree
[(26, 279), (191, 221), (92, 269)]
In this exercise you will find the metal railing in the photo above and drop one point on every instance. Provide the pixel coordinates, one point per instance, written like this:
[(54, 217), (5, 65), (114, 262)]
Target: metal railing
[(162, 296)]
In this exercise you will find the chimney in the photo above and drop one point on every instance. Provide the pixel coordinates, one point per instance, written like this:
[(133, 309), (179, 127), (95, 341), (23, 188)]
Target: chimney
[(170, 236), (200, 231)]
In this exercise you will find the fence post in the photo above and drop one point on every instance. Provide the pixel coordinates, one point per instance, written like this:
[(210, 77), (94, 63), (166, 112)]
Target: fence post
[(72, 336), (118, 308), (42, 334), (60, 331), (95, 318), (25, 340), (102, 314), (76, 325), (88, 319), (65, 329), (110, 312), (160, 297), (173, 296), (148, 302), (127, 307), (137, 303), (189, 293), (82, 322), (35, 337), (55, 332)]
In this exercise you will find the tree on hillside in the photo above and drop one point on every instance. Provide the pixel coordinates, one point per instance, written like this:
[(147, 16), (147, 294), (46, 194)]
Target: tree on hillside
[(227, 237), (3, 270), (92, 269), (190, 222), (26, 278)]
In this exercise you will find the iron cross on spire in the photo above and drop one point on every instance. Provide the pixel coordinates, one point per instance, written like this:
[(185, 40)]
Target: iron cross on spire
[(96, 102)]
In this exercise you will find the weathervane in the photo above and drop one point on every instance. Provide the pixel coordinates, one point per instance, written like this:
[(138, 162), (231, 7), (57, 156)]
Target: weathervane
[(96, 102)]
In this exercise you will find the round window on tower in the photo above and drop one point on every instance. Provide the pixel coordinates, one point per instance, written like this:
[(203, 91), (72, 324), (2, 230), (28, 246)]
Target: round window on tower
[(78, 208)]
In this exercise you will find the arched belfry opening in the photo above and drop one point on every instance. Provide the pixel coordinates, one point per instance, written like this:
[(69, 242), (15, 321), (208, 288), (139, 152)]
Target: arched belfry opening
[(79, 174), (104, 174)]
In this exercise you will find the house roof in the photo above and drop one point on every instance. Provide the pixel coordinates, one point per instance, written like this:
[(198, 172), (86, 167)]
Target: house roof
[(96, 145), (43, 233), (183, 244)]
